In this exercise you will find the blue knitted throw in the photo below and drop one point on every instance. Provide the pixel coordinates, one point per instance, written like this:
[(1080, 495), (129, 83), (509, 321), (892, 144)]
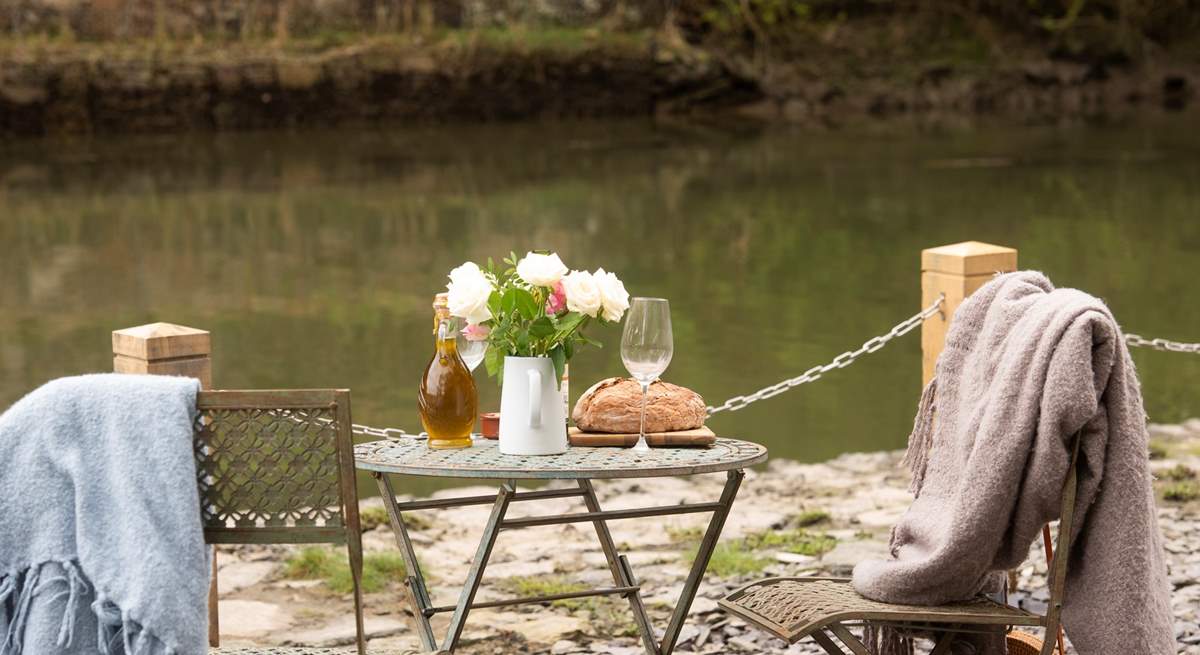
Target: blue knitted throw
[(101, 546)]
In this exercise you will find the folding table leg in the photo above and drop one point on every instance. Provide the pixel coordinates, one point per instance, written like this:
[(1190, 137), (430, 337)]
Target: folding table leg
[(478, 565), (622, 577), (418, 595), (732, 482)]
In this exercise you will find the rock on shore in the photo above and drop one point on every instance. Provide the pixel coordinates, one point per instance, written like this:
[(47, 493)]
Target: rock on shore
[(790, 519)]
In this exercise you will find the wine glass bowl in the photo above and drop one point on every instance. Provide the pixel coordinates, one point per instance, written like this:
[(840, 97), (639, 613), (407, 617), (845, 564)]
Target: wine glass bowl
[(646, 349)]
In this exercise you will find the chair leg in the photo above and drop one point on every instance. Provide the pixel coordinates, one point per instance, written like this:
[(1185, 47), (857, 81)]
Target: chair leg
[(943, 644), (848, 638), (354, 548), (825, 642), (214, 617)]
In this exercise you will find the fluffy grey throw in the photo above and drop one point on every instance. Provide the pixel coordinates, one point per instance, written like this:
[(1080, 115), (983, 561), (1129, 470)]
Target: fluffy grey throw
[(1025, 367), (101, 547)]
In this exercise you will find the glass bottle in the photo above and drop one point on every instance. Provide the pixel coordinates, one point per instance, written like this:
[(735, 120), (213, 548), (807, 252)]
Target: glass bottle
[(448, 400)]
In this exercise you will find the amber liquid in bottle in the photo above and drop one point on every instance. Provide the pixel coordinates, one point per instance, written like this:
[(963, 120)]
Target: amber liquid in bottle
[(448, 400)]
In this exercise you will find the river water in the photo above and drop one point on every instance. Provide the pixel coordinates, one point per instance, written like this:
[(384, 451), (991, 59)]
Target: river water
[(312, 257)]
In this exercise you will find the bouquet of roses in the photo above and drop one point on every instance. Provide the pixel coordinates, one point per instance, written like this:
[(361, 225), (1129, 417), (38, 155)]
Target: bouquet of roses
[(533, 307)]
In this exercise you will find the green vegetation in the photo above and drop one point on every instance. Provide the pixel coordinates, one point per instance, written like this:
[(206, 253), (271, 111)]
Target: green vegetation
[(730, 560), (1179, 473), (685, 535), (608, 614), (802, 542), (742, 556), (332, 568), (1107, 31), (1181, 491), (372, 517), (809, 518), (547, 585), (1159, 449)]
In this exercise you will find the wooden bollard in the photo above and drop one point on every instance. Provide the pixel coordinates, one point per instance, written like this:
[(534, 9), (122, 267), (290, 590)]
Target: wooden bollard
[(169, 349), (956, 270), (164, 349)]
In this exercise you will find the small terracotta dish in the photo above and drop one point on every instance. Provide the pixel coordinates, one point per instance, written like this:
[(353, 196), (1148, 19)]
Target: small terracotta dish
[(489, 425)]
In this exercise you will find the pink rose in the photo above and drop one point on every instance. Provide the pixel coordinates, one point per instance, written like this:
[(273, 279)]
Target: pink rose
[(557, 302), (476, 332)]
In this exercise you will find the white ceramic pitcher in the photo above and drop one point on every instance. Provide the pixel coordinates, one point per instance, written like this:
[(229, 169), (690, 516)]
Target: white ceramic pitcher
[(531, 408)]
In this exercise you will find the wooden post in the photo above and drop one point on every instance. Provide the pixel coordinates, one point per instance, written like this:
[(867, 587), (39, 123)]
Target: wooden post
[(168, 349), (956, 270)]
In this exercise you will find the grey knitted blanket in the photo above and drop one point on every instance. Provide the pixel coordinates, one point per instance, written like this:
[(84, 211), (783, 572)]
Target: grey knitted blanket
[(1025, 367), (101, 547)]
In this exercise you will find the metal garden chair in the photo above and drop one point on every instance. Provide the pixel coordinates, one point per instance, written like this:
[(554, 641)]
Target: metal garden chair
[(278, 467), (822, 608)]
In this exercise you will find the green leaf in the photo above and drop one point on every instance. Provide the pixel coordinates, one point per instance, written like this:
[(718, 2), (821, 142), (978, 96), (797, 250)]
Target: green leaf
[(541, 328), (559, 357), (493, 359), (590, 341), (569, 348), (508, 302), (494, 304), (525, 302)]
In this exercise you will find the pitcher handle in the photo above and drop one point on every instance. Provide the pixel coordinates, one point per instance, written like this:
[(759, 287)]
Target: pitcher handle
[(535, 398)]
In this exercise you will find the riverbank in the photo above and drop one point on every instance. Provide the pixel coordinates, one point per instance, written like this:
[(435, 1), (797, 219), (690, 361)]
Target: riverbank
[(790, 519), (51, 86)]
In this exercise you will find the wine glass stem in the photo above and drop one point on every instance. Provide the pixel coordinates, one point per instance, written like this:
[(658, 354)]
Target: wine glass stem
[(642, 424)]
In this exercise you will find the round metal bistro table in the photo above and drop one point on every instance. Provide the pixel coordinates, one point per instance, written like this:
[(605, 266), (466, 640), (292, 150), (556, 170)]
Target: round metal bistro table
[(410, 456)]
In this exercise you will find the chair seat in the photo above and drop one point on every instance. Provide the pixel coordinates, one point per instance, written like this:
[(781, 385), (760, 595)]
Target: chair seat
[(792, 608), (301, 650)]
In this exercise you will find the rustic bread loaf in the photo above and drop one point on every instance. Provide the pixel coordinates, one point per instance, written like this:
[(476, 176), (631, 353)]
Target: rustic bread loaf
[(614, 405)]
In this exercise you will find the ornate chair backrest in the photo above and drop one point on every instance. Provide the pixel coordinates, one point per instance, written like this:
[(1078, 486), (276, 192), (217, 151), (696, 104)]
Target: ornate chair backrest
[(278, 467)]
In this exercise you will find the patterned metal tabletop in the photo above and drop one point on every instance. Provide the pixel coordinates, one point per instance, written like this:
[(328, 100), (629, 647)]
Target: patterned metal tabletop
[(484, 460)]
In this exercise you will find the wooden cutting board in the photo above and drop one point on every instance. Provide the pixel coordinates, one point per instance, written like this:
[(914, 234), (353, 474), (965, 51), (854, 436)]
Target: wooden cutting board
[(699, 437)]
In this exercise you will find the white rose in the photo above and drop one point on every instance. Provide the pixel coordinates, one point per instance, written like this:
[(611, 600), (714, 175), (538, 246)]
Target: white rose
[(613, 296), (469, 290), (541, 270), (583, 294)]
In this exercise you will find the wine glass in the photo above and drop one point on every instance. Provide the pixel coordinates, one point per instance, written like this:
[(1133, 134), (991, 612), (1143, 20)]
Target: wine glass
[(471, 352), (646, 349)]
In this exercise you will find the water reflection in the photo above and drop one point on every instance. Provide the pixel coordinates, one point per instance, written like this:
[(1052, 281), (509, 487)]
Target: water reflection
[(312, 257)]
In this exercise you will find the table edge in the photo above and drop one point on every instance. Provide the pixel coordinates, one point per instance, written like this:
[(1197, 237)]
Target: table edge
[(584, 474)]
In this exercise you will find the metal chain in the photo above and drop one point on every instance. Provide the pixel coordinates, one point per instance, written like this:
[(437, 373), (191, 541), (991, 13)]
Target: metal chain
[(368, 431), (841, 361), (815, 373), (1138, 341)]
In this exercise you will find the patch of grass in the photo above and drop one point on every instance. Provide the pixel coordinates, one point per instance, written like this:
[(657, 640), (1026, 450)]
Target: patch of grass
[(685, 535), (1181, 491), (609, 615), (332, 568), (809, 518), (733, 559), (802, 542), (1179, 473), (1159, 449), (741, 557), (370, 518), (547, 585)]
